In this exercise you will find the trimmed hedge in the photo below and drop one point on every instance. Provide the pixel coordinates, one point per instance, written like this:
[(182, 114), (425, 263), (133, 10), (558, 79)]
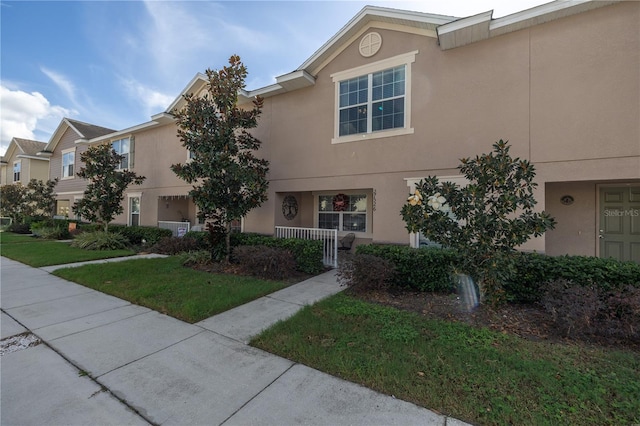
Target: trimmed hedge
[(429, 269), (424, 269), (535, 270), (135, 234), (308, 253)]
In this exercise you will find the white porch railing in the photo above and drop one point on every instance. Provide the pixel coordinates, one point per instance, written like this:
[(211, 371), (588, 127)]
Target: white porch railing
[(328, 236), (178, 228)]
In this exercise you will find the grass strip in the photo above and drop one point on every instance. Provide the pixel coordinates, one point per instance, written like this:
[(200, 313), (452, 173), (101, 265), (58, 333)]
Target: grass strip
[(166, 286), (37, 253), (472, 374)]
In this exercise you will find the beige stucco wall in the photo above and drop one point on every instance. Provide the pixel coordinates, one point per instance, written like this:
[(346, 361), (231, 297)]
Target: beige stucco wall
[(69, 187), (565, 94), (156, 149)]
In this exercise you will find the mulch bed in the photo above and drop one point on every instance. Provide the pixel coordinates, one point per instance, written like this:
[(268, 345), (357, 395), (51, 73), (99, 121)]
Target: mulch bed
[(527, 321)]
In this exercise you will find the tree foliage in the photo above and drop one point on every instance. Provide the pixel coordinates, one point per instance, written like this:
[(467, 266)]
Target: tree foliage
[(20, 202), (228, 179), (485, 220), (102, 200)]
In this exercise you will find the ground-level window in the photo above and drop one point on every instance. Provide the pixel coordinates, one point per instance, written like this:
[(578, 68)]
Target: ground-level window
[(63, 208), (17, 166), (134, 211), (68, 160), (343, 212)]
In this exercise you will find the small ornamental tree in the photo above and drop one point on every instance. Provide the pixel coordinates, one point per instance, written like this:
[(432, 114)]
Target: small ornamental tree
[(20, 202), (485, 220), (41, 196), (102, 200), (228, 179)]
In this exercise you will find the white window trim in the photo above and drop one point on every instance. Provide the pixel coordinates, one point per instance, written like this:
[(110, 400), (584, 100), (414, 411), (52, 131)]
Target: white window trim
[(128, 152), (19, 163), (64, 152), (461, 181), (129, 197), (405, 59), (369, 213)]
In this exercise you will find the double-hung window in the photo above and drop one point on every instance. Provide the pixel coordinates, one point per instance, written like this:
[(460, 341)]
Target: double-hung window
[(17, 166), (68, 160), (374, 100), (121, 147), (134, 211), (343, 212)]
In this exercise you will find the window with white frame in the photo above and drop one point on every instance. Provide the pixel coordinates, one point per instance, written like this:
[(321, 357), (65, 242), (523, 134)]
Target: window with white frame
[(122, 147), (134, 211), (68, 160), (374, 100), (343, 212), (17, 167)]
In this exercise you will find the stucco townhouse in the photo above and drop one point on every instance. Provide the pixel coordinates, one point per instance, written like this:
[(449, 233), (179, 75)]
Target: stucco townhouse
[(396, 96), (21, 162)]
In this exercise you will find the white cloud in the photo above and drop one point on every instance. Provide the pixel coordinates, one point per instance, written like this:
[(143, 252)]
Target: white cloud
[(27, 115), (63, 83), (152, 100)]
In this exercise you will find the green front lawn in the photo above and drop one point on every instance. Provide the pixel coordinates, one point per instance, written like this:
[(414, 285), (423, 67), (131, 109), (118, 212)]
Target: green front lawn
[(37, 252), (472, 374), (166, 286)]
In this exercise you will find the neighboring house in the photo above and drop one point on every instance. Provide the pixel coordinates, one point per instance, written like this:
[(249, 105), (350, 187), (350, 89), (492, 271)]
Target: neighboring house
[(63, 151), (396, 96), (21, 163)]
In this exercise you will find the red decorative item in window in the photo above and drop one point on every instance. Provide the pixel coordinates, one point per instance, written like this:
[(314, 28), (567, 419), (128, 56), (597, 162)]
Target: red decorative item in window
[(340, 202)]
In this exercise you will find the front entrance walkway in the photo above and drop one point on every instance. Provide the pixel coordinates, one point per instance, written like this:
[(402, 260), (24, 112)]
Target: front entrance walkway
[(106, 361)]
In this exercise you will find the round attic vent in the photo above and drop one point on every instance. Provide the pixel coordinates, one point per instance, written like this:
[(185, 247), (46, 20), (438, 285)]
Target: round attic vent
[(370, 44)]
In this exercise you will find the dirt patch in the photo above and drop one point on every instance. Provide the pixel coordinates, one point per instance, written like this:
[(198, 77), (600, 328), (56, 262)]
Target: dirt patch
[(527, 321)]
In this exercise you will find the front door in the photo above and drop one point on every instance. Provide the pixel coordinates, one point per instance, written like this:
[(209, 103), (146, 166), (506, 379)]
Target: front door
[(620, 223)]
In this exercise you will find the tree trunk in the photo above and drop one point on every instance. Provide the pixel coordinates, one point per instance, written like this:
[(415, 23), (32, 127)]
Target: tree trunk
[(228, 242)]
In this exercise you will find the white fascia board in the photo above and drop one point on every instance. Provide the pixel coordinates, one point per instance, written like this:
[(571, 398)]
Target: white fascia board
[(32, 157), (57, 134), (465, 22), (296, 80), (198, 80), (46, 154), (120, 133), (535, 12), (374, 12)]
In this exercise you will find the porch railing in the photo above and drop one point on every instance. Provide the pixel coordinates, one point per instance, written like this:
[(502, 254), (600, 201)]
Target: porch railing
[(328, 236), (179, 229)]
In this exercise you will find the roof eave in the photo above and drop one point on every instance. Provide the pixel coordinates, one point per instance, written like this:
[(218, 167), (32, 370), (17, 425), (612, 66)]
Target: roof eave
[(481, 27)]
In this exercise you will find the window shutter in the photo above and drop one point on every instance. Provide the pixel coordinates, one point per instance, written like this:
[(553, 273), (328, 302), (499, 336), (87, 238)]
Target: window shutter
[(132, 151)]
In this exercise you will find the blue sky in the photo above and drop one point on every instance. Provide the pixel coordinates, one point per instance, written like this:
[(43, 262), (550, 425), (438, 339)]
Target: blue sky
[(116, 63)]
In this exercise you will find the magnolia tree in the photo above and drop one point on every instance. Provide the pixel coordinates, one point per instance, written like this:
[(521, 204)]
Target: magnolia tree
[(102, 200), (228, 179), (485, 220), (20, 202)]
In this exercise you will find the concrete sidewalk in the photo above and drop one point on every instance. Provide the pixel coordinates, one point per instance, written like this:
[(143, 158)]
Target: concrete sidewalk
[(106, 361)]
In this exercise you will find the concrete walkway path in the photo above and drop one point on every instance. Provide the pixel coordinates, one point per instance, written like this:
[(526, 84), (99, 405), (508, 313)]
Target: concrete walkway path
[(105, 361)]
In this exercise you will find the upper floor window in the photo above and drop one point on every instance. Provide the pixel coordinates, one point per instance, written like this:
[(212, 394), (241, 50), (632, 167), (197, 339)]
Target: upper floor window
[(17, 166), (374, 100), (68, 160), (121, 146)]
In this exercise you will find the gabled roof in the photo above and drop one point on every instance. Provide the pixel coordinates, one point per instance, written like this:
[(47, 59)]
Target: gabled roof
[(85, 132), (450, 31), (88, 131), (29, 147), (23, 148)]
